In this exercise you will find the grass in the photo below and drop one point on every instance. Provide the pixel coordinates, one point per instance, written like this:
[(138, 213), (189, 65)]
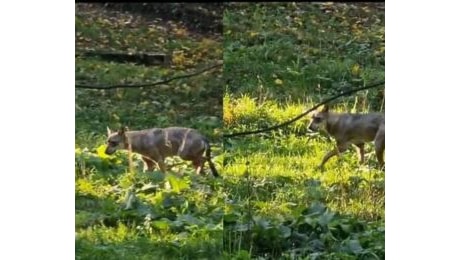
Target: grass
[(194, 102), (280, 59), (272, 177), (291, 50), (121, 212), (137, 215)]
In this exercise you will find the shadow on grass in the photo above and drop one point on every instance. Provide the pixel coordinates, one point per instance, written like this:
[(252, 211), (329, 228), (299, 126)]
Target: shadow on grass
[(197, 17), (275, 216)]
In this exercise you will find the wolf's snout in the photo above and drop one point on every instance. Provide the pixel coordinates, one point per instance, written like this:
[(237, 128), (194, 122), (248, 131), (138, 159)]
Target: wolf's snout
[(311, 127), (109, 150)]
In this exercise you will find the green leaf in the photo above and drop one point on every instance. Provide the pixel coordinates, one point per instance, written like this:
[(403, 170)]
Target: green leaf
[(101, 151), (177, 184), (161, 224), (325, 218), (243, 255), (315, 208), (285, 231), (231, 217), (346, 228), (354, 246), (189, 220)]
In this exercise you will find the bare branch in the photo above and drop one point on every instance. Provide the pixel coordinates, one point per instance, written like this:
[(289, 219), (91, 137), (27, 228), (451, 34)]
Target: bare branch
[(89, 86)]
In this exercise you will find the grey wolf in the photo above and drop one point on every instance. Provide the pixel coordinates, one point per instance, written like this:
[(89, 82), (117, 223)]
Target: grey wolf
[(351, 129), (156, 144)]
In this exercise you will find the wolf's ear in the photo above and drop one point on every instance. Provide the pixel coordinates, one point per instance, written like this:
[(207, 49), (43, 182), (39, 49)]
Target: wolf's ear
[(322, 108), (109, 132), (123, 130)]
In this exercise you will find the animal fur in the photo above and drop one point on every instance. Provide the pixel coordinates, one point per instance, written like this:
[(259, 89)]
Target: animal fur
[(351, 129), (156, 144)]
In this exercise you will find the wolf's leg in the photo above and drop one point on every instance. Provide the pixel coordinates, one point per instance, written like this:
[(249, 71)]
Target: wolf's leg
[(198, 164), (161, 165), (153, 159), (360, 151), (340, 148), (380, 145), (148, 163)]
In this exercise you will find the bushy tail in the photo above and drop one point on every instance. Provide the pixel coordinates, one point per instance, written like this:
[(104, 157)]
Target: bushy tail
[(208, 158)]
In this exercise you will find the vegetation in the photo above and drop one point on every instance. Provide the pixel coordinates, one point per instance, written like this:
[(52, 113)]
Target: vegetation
[(279, 60), (123, 213)]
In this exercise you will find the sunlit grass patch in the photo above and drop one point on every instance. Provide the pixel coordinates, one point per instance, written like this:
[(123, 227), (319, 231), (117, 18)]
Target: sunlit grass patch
[(272, 177)]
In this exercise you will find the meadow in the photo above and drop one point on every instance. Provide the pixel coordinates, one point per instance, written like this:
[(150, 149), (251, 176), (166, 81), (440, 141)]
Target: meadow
[(278, 60), (121, 212)]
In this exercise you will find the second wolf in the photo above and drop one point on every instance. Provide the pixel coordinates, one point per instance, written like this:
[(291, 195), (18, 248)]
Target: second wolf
[(158, 143), (347, 129)]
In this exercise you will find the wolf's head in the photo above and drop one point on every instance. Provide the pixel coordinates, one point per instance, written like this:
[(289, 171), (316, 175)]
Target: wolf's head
[(115, 140), (319, 119)]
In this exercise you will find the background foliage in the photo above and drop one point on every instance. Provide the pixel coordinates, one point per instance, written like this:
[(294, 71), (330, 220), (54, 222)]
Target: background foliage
[(280, 59), (124, 214)]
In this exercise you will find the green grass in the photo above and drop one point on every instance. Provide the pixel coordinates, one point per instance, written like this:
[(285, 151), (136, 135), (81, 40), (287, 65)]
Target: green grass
[(137, 215), (272, 177), (279, 60), (194, 102), (311, 52), (127, 214)]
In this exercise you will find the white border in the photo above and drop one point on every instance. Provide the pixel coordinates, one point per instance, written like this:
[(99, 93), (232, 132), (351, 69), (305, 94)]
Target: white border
[(422, 186), (37, 130)]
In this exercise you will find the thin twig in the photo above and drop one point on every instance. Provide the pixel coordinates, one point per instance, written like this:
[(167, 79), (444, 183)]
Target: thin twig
[(89, 86), (304, 113)]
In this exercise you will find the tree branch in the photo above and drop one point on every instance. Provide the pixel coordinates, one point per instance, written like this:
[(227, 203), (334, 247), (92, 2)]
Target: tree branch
[(139, 58), (88, 86)]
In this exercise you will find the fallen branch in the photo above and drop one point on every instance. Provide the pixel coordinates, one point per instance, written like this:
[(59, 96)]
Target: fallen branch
[(146, 59), (89, 86)]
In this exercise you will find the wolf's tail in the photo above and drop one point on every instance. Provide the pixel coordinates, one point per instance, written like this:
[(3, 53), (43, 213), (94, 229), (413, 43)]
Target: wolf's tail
[(208, 159)]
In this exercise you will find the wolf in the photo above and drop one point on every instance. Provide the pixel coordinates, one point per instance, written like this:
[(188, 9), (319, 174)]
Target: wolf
[(348, 128), (156, 144)]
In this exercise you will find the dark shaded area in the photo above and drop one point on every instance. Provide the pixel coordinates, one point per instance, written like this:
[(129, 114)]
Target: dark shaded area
[(203, 18), (310, 229), (146, 59)]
